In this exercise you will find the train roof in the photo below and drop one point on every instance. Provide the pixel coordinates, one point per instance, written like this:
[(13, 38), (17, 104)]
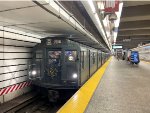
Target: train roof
[(52, 41)]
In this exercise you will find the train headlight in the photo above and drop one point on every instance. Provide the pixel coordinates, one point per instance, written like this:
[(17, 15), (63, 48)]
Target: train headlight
[(75, 75), (34, 72), (70, 58)]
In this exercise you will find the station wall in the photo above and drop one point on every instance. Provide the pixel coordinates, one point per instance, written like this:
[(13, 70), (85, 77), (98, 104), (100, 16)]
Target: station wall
[(15, 52)]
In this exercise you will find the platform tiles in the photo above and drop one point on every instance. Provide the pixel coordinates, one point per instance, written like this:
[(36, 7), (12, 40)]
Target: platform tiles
[(79, 101), (124, 88)]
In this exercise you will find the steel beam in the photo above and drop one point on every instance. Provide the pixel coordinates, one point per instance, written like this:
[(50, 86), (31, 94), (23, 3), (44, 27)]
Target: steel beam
[(134, 25), (141, 32), (140, 11)]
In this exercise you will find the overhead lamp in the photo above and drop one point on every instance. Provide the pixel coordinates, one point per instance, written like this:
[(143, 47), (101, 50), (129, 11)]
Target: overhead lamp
[(92, 6)]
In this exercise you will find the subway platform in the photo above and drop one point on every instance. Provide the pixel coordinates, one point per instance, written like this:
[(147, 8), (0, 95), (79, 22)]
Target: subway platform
[(124, 88), (121, 88)]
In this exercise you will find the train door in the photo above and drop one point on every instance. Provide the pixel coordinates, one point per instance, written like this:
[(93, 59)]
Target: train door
[(89, 62), (84, 66), (97, 59), (101, 58), (53, 65), (92, 62)]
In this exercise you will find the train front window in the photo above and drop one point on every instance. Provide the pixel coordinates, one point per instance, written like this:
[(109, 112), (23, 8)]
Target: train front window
[(70, 56), (54, 54), (54, 57)]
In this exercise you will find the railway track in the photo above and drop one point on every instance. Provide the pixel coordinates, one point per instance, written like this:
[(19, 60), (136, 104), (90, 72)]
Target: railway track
[(18, 103), (30, 103), (41, 106), (34, 102)]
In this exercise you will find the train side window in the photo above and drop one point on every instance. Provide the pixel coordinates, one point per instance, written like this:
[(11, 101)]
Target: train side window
[(70, 56), (93, 58), (82, 59), (99, 56)]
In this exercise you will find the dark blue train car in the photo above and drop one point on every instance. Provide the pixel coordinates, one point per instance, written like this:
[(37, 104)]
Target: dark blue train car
[(60, 64)]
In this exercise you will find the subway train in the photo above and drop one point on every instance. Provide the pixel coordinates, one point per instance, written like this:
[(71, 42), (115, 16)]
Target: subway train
[(59, 64)]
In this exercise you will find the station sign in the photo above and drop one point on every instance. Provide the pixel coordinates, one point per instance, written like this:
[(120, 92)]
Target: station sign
[(117, 46)]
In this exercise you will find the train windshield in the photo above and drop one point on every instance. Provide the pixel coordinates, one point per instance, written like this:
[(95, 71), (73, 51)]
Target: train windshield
[(54, 54), (70, 55), (54, 57)]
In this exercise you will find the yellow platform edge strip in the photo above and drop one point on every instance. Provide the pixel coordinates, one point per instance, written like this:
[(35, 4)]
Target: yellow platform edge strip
[(79, 101)]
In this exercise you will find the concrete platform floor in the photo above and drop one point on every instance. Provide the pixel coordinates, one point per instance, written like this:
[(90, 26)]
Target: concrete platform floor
[(124, 88)]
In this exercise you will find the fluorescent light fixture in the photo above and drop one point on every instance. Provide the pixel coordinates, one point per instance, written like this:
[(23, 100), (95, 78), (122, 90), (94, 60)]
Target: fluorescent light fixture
[(92, 6), (118, 15), (98, 22), (118, 20), (116, 46)]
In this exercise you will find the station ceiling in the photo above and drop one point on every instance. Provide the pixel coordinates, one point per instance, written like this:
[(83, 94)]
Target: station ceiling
[(134, 26), (43, 20)]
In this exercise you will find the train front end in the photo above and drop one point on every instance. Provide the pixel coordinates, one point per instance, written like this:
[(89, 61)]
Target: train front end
[(55, 65)]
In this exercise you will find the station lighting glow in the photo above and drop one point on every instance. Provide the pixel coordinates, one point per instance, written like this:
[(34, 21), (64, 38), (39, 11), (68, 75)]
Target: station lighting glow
[(34, 72), (118, 20), (116, 47), (98, 21)]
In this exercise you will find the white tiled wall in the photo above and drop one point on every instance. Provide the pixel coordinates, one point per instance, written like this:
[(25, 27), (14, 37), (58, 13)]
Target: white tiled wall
[(15, 52)]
